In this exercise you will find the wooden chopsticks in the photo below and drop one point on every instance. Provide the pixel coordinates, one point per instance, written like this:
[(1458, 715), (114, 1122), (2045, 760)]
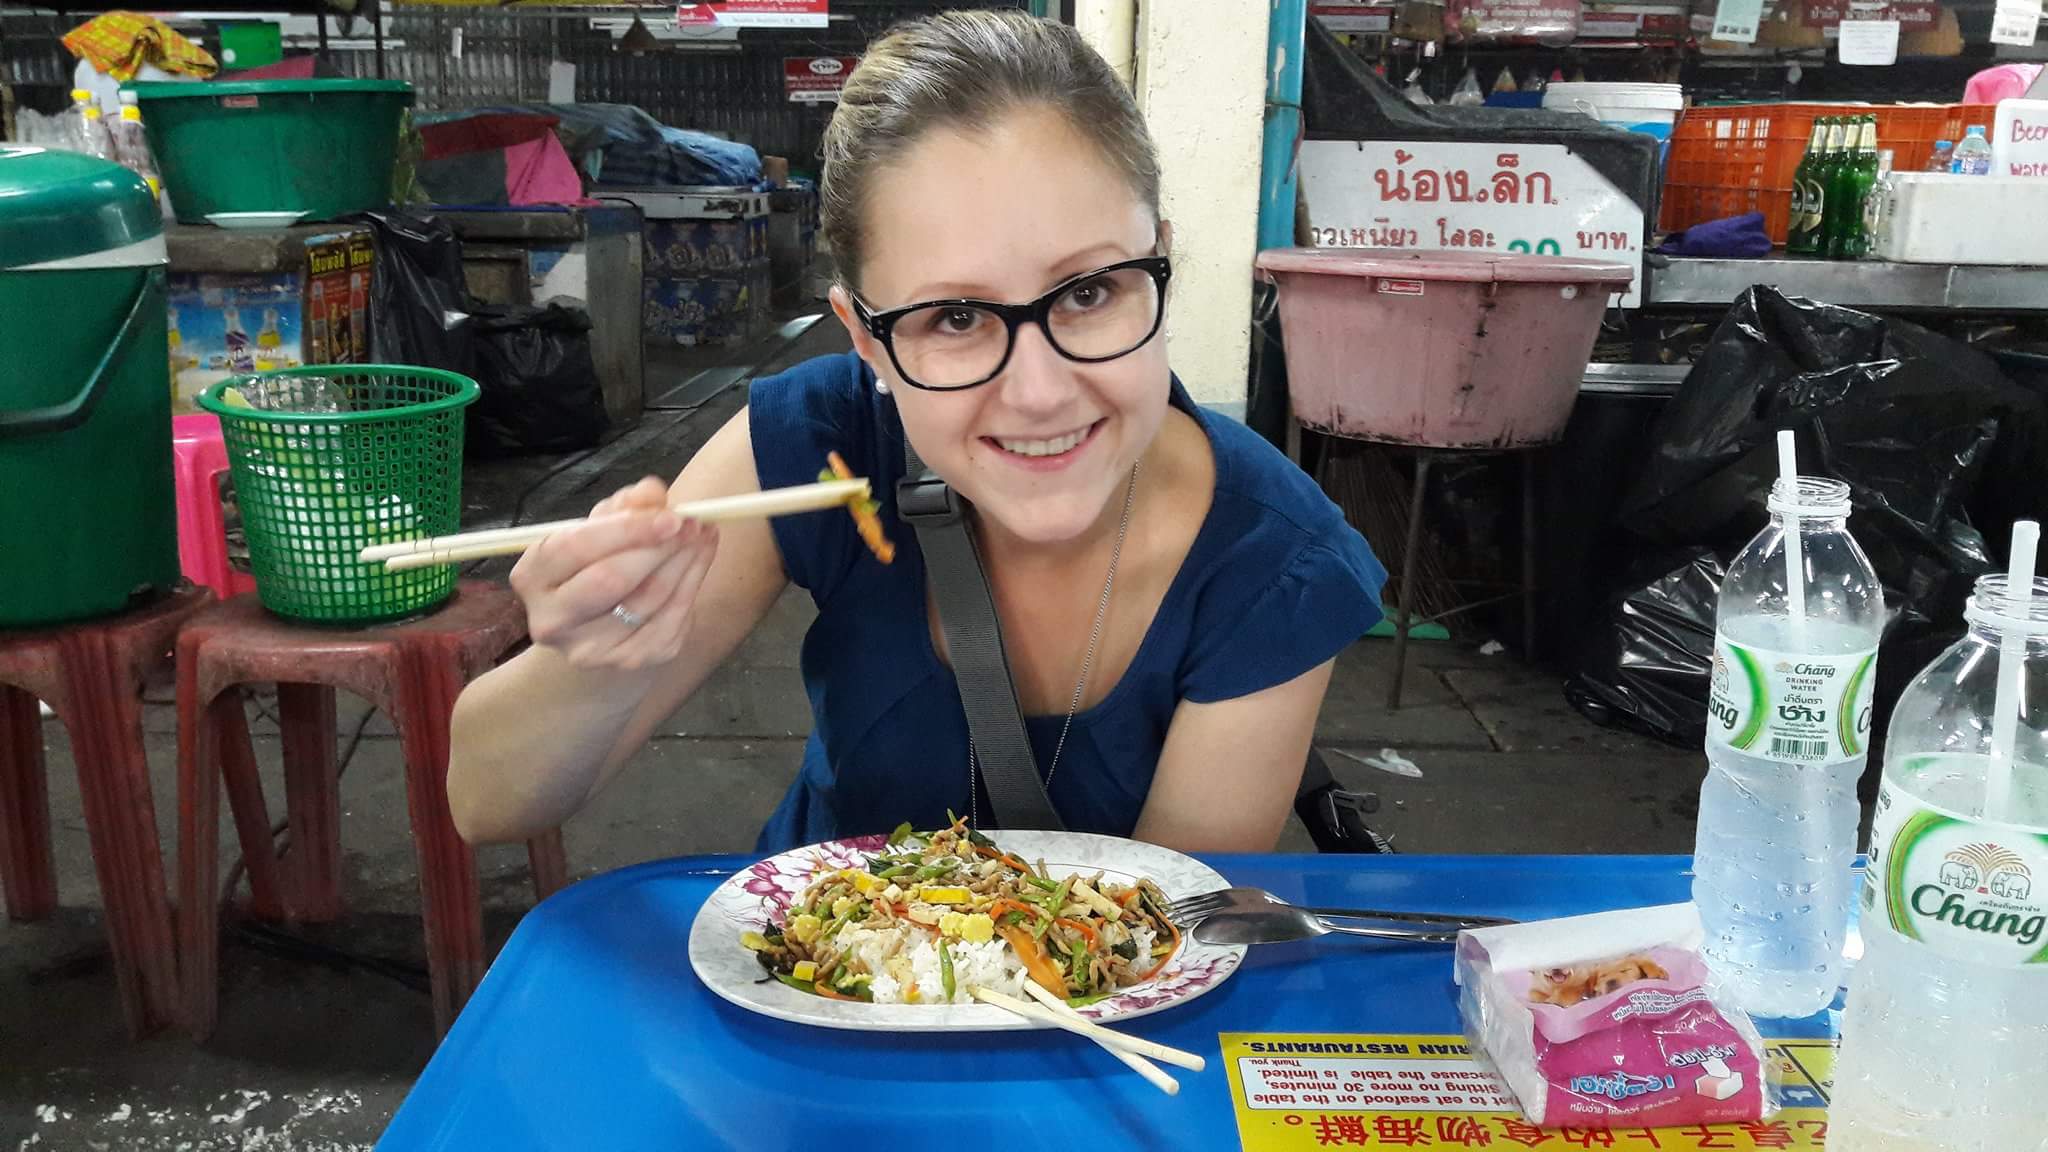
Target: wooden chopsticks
[(463, 546), (1132, 1050)]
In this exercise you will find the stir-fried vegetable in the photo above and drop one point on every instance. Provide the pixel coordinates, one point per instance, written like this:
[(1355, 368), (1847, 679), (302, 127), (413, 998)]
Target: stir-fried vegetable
[(950, 894), (867, 518)]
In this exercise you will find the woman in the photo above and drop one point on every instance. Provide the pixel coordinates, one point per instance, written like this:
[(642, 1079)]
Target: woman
[(1171, 590)]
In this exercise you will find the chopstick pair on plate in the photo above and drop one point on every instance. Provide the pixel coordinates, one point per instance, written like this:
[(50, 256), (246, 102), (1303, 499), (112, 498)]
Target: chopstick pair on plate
[(847, 490), (1136, 1053)]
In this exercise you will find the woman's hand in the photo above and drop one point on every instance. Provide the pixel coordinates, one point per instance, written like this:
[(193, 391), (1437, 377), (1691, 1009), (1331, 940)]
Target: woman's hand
[(616, 592)]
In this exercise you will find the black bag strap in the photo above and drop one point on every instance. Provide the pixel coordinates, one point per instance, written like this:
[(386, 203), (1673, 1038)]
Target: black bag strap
[(974, 639)]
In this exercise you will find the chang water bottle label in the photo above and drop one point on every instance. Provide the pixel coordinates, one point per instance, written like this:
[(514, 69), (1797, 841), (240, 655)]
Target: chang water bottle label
[(1974, 890), (1785, 706)]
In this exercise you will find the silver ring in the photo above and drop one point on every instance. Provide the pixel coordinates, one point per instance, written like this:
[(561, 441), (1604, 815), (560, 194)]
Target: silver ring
[(626, 616)]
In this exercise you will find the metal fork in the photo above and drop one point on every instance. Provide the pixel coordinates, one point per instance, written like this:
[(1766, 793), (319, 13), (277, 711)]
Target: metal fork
[(1192, 910)]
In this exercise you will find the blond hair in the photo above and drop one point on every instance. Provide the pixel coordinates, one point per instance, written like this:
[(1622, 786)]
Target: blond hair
[(968, 69)]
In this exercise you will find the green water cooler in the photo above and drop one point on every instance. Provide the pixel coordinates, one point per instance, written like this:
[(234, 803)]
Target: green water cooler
[(88, 506)]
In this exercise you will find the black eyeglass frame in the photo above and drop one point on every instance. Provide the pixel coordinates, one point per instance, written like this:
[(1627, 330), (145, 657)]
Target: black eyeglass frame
[(882, 325)]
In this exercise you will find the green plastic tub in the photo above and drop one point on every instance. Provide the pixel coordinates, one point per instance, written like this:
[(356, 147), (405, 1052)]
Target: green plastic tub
[(322, 147), (330, 460)]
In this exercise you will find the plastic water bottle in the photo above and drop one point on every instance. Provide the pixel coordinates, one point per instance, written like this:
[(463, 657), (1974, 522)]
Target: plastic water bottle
[(131, 145), (1795, 656), (1973, 155), (87, 127), (1947, 1021)]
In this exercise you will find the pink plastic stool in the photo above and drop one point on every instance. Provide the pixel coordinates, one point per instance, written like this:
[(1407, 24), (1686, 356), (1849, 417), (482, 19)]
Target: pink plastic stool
[(202, 459)]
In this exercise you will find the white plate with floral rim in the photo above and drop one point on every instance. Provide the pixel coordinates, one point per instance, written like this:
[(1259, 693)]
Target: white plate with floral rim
[(762, 893)]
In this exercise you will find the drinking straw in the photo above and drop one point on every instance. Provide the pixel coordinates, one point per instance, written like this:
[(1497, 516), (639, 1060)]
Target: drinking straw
[(1795, 561), (2012, 655)]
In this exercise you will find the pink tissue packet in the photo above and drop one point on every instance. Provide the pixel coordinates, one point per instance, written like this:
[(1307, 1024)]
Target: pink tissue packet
[(1604, 1021)]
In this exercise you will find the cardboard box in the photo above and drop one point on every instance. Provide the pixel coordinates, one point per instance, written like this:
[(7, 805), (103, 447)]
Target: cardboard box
[(711, 309), (692, 247), (224, 324), (775, 169), (1416, 20)]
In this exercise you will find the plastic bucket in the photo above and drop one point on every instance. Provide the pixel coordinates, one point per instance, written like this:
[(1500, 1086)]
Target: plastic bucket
[(1480, 350), (322, 147), (1647, 108)]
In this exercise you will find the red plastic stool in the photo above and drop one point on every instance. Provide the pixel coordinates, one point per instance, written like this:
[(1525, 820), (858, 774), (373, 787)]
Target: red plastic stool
[(91, 675), (413, 671)]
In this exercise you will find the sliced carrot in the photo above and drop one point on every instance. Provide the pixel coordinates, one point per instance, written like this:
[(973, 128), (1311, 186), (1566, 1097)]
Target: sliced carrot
[(997, 909), (830, 993), (1037, 961), (865, 521), (1169, 953), (1080, 927), (1005, 857)]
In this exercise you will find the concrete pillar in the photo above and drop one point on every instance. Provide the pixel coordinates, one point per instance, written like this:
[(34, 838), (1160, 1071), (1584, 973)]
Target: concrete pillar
[(1110, 26), (1198, 68), (1202, 81)]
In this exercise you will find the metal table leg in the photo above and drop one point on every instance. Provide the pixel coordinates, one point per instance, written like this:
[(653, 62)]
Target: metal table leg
[(1405, 597)]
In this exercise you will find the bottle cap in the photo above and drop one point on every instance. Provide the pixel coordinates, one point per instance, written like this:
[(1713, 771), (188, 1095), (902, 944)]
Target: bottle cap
[(80, 95), (131, 112)]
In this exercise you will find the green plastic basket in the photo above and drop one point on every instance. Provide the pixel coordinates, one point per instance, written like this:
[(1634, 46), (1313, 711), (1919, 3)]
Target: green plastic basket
[(330, 460)]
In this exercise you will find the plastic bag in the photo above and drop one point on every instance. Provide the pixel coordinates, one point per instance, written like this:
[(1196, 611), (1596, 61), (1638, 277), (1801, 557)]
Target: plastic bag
[(1939, 449), (540, 388), (419, 302), (1605, 1021), (1468, 94), (533, 367)]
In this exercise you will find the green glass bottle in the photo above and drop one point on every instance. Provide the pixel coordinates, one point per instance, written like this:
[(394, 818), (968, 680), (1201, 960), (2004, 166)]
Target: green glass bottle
[(1861, 183), (1849, 183), (1802, 234)]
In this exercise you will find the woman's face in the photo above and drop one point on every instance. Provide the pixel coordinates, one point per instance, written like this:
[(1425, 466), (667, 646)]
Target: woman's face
[(1005, 215)]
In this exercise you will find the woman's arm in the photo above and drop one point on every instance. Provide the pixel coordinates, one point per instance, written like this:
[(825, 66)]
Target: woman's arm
[(1229, 771), (533, 739)]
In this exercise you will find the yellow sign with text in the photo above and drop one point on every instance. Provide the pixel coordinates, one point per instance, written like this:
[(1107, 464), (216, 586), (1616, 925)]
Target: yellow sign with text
[(1295, 1093)]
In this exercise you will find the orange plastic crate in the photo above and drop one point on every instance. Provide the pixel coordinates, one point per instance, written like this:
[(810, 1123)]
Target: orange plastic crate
[(1727, 160)]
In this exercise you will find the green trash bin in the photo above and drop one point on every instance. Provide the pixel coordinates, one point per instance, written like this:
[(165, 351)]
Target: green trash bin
[(321, 147), (88, 505)]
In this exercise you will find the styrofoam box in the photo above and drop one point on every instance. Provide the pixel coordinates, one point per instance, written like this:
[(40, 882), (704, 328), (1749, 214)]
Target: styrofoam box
[(1939, 218), (698, 202)]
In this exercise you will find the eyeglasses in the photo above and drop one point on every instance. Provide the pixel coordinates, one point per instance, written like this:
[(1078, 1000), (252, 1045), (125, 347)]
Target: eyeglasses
[(947, 345)]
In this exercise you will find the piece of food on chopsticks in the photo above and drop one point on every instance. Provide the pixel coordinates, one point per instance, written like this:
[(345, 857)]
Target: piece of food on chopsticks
[(831, 491), (866, 512), (936, 914)]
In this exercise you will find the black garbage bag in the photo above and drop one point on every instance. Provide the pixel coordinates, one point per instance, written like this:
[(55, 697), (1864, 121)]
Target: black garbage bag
[(1940, 451), (539, 385), (419, 302)]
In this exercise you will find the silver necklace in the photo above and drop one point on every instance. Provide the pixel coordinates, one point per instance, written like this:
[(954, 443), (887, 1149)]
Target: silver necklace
[(1087, 661)]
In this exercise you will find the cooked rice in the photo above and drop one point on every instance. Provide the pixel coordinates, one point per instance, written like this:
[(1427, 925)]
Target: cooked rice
[(902, 956)]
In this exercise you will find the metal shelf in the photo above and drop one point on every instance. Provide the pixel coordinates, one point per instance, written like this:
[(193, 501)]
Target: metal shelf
[(1854, 284)]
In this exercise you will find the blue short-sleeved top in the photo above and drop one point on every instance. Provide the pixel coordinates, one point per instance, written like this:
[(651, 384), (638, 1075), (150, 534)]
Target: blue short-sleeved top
[(1275, 584)]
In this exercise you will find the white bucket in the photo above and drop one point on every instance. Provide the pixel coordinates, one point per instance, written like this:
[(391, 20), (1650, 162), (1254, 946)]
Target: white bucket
[(1647, 108)]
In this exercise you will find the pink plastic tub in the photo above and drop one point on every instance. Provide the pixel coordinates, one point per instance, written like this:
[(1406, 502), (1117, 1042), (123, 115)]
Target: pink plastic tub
[(1439, 349)]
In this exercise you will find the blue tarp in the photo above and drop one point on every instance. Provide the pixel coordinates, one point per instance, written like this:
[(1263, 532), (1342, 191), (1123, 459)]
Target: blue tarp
[(621, 146)]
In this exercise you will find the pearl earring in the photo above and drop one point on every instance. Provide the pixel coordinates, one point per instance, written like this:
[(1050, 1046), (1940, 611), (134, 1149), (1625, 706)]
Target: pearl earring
[(882, 386)]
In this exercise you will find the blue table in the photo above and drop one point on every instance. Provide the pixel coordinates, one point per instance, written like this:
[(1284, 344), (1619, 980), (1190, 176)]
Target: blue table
[(592, 1032)]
